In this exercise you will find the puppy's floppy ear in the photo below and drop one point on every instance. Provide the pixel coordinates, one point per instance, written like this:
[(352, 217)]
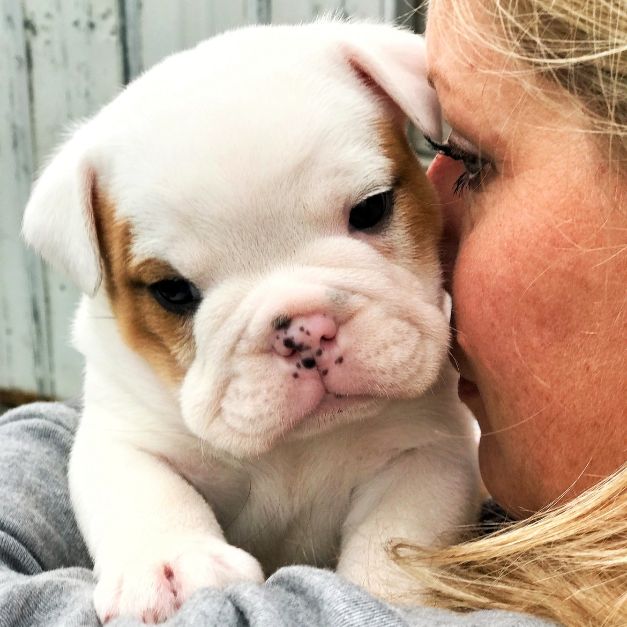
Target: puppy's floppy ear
[(59, 221), (395, 61)]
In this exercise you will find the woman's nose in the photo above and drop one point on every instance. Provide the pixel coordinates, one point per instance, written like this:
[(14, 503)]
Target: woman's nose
[(443, 174)]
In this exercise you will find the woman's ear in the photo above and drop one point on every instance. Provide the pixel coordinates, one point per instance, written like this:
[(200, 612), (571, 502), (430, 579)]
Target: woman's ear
[(394, 62), (59, 221)]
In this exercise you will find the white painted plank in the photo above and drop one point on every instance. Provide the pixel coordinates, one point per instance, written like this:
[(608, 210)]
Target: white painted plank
[(370, 9), (131, 38), (23, 344), (259, 11), (297, 11), (76, 67), (168, 26)]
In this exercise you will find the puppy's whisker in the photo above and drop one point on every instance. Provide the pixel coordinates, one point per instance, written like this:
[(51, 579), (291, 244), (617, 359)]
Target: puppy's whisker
[(404, 18), (468, 437), (453, 359)]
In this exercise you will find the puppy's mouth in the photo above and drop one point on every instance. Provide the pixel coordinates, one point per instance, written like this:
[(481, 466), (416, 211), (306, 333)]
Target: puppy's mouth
[(331, 410), (326, 390), (326, 404), (332, 403)]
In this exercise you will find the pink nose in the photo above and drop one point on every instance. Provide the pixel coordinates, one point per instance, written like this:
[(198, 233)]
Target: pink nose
[(303, 334)]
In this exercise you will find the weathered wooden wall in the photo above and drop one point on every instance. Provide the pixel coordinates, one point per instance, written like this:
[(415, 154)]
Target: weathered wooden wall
[(60, 60)]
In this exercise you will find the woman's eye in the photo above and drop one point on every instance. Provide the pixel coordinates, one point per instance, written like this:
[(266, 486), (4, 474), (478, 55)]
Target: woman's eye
[(476, 171), (477, 168), (371, 211), (177, 296)]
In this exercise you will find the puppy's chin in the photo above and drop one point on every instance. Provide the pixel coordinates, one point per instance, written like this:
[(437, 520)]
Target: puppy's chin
[(332, 412), (335, 410)]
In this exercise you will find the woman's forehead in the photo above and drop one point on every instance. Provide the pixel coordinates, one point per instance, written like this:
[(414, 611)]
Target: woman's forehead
[(484, 94), (471, 94), (462, 36)]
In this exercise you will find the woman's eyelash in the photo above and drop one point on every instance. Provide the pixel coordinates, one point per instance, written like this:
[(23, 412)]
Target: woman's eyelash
[(476, 167)]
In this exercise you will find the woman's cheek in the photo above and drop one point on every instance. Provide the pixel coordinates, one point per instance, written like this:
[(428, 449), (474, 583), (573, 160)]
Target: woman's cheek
[(529, 301), (499, 334), (483, 299)]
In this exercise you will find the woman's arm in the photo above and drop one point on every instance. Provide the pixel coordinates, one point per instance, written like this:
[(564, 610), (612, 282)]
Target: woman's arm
[(45, 570)]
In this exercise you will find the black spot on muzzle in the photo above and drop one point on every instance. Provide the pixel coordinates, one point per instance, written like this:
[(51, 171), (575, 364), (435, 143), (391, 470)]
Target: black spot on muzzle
[(281, 322)]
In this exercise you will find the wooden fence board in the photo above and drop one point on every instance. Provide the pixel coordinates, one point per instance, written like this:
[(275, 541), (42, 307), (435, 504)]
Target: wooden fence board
[(75, 68), (289, 12), (24, 351), (168, 26)]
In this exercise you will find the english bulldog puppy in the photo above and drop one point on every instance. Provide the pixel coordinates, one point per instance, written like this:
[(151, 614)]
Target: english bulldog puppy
[(264, 325)]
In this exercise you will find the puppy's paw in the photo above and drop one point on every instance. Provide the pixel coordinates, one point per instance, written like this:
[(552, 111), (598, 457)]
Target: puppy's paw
[(152, 586)]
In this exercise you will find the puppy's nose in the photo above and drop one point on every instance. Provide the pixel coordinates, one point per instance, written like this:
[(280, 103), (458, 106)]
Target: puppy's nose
[(303, 334)]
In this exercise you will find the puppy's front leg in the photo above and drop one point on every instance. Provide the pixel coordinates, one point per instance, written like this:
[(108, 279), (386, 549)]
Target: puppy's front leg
[(153, 537), (426, 496)]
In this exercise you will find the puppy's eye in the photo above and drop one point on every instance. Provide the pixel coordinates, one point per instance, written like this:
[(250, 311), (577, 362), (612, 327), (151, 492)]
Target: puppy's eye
[(371, 211), (176, 295)]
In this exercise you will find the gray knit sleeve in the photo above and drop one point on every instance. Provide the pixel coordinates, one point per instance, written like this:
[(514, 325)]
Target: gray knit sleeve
[(45, 569)]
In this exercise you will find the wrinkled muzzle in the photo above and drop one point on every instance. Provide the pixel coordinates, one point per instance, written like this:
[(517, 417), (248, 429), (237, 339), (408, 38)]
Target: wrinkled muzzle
[(308, 348)]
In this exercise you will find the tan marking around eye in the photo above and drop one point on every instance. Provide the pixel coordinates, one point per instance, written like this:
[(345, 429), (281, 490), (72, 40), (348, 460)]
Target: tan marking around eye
[(417, 223), (163, 339)]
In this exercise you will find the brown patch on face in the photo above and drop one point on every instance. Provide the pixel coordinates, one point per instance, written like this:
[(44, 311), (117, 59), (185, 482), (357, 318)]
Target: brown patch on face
[(417, 223), (164, 339)]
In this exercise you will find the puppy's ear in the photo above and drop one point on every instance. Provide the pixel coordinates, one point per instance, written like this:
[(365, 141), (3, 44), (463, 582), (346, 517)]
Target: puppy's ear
[(59, 221), (394, 62)]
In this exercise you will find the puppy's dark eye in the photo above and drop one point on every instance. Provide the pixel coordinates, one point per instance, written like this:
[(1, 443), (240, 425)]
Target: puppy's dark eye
[(176, 295), (371, 211)]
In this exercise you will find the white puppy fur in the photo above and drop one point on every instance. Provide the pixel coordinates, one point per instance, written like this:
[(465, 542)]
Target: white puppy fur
[(209, 450)]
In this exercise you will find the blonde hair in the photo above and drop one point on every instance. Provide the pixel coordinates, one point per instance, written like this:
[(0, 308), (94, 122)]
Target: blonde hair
[(568, 563), (580, 46)]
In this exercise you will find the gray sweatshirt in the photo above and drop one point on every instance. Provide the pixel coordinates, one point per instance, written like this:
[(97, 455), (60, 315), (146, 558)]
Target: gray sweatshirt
[(46, 572)]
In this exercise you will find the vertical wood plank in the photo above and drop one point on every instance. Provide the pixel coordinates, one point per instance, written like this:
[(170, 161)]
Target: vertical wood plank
[(369, 9), (129, 15), (259, 11), (167, 26), (24, 350), (297, 11), (75, 68)]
